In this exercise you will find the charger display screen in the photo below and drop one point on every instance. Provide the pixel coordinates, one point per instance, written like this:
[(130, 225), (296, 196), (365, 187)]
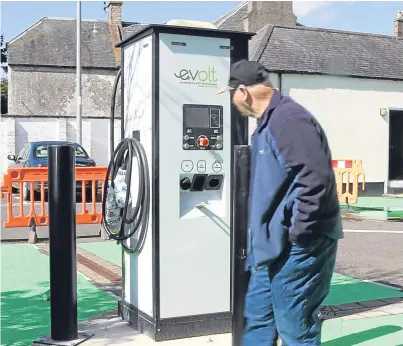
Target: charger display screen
[(202, 127), (197, 117)]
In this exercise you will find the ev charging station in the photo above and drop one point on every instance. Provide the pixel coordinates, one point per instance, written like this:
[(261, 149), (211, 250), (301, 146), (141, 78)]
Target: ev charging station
[(177, 282)]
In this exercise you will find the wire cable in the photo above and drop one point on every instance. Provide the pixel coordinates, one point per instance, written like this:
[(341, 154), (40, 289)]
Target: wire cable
[(113, 105), (135, 222)]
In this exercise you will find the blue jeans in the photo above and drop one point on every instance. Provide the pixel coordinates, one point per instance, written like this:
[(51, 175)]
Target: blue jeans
[(282, 298)]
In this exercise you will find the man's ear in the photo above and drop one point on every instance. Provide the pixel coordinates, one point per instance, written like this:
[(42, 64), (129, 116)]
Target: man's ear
[(244, 93)]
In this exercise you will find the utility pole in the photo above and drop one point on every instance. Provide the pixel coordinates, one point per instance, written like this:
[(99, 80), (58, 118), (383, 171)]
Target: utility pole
[(79, 134)]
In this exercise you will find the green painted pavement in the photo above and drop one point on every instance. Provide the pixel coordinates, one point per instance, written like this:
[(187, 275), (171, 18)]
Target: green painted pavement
[(395, 214), (344, 290), (108, 250), (376, 208), (377, 202), (347, 290), (25, 316), (375, 331)]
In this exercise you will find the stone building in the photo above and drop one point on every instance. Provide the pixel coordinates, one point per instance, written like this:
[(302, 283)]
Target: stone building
[(42, 75), (42, 83)]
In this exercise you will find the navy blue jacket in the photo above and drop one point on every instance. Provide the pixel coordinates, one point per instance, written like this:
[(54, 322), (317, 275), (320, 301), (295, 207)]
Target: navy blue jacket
[(293, 196)]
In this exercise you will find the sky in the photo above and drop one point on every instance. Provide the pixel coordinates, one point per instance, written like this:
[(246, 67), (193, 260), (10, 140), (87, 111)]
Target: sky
[(375, 17), (364, 16)]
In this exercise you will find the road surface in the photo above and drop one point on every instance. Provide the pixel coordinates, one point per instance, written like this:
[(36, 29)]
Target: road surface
[(370, 250), (8, 234)]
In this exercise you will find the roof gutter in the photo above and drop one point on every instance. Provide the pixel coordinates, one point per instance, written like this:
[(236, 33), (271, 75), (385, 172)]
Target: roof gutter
[(312, 73), (106, 68)]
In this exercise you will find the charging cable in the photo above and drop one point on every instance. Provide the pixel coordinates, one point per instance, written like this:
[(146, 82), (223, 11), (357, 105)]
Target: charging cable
[(121, 217)]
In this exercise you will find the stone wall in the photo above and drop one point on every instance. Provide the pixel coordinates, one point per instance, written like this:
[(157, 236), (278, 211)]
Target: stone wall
[(261, 13), (48, 91)]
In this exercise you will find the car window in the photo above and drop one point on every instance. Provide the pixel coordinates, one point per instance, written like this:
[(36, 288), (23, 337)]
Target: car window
[(80, 152), (41, 151)]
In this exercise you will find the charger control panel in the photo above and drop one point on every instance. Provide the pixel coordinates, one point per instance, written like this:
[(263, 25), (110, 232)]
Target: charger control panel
[(202, 127)]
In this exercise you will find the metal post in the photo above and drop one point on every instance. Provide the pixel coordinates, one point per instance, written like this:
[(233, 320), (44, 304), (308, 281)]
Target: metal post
[(62, 238), (240, 277), (62, 250), (79, 134)]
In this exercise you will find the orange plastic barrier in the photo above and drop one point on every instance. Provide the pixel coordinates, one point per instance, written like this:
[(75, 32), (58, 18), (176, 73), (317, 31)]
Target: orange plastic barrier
[(347, 174), (22, 213)]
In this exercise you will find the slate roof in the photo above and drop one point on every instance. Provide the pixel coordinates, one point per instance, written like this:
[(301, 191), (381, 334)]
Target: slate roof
[(52, 42), (132, 29), (233, 20), (258, 43), (309, 50)]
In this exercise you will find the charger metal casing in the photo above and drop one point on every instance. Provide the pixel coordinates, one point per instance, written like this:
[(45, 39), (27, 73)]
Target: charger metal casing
[(179, 285)]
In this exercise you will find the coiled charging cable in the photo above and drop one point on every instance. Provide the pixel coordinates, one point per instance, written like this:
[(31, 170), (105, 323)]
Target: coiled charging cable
[(136, 221)]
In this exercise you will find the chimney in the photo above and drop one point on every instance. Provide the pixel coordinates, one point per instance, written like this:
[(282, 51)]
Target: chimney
[(399, 24), (261, 13), (115, 25), (115, 12)]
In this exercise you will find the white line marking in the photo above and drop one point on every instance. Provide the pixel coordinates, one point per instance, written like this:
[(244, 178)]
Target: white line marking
[(371, 231)]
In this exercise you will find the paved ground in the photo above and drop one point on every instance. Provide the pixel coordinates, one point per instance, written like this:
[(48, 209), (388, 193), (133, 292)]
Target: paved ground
[(378, 202), (356, 255), (385, 330), (345, 289), (372, 256), (93, 230), (24, 280), (356, 311), (378, 208), (42, 232)]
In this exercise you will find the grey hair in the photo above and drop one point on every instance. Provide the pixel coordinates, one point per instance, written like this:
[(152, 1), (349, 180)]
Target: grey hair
[(266, 79)]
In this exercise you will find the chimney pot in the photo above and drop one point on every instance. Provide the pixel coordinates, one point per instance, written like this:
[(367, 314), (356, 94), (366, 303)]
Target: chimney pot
[(399, 24), (115, 25), (115, 12)]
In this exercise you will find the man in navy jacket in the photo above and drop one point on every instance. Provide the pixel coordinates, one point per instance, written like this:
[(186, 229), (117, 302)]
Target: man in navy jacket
[(294, 213)]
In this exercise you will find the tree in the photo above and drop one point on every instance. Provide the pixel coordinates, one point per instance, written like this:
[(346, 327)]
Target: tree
[(4, 81), (3, 47), (4, 95)]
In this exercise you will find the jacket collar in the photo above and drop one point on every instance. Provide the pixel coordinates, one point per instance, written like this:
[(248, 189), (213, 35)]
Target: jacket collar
[(275, 100)]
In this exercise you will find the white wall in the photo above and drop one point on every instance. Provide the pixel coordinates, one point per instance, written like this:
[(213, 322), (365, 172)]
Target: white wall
[(348, 109), (7, 143), (16, 132), (86, 127)]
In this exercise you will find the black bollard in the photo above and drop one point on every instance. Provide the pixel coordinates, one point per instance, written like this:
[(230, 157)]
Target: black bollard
[(62, 249), (240, 277), (62, 238)]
